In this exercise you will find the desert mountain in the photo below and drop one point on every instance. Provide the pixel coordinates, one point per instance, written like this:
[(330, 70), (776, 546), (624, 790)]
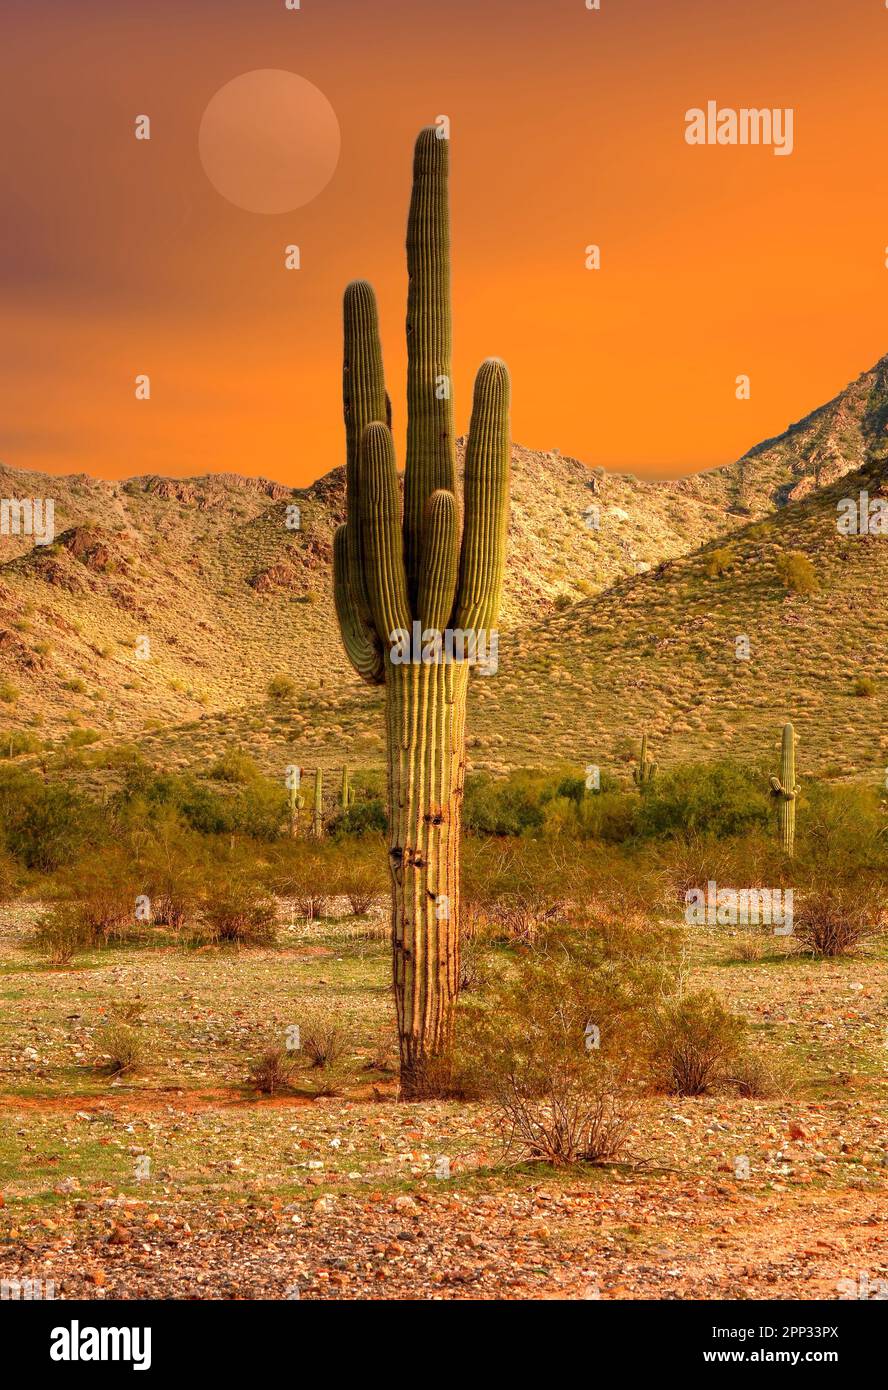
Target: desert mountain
[(210, 571)]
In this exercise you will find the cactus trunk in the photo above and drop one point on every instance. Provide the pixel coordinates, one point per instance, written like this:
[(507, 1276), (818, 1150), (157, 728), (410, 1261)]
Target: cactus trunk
[(426, 726), (319, 805), (785, 789), (394, 575), (643, 775)]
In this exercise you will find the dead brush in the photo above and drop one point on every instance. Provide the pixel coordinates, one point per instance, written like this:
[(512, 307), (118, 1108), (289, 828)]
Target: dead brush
[(272, 1070), (322, 1038), (748, 948), (836, 919)]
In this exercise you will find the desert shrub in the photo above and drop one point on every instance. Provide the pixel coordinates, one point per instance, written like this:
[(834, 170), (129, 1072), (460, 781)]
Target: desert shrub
[(844, 831), (367, 817), (9, 693), (796, 572), (558, 1041), (514, 887), (239, 911), (718, 800), (362, 876), (384, 1054), (257, 808), (99, 895), (44, 825), (718, 562), (695, 1040), (755, 1078), (127, 1010), (260, 809), (174, 868), (234, 766), (753, 860), (835, 918), (322, 1037), (14, 742), (59, 936), (82, 738), (272, 1070), (8, 877), (306, 875), (473, 962), (609, 815), (511, 805), (120, 1048), (280, 688), (748, 948), (865, 686)]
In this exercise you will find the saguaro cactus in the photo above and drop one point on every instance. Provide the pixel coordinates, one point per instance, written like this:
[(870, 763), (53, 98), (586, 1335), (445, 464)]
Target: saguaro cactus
[(786, 789), (643, 775), (346, 795), (416, 577), (296, 800), (318, 820)]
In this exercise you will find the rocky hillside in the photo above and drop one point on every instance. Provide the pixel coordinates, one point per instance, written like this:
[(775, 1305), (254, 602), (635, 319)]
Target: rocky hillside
[(211, 572)]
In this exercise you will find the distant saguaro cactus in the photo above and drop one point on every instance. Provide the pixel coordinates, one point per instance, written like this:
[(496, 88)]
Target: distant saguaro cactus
[(415, 578), (295, 799), (643, 775), (318, 818), (346, 795), (786, 789)]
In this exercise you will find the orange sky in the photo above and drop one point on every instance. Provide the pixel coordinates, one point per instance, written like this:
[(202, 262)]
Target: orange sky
[(119, 257)]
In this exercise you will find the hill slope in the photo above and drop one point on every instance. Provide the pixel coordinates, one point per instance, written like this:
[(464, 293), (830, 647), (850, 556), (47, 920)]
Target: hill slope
[(227, 595)]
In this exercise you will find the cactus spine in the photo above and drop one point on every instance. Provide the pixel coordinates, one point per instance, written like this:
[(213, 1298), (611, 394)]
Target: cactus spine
[(643, 775), (786, 789), (391, 573), (318, 823)]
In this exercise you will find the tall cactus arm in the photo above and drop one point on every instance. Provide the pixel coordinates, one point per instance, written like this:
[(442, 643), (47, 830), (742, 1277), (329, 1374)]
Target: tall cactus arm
[(364, 399), (358, 637), (437, 579), (380, 512), (486, 501), (431, 461)]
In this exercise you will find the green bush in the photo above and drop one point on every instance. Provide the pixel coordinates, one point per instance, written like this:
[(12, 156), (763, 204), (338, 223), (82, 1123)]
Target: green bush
[(557, 1040), (718, 799), (280, 688), (46, 825), (234, 766), (695, 1042), (796, 572), (14, 742), (363, 818)]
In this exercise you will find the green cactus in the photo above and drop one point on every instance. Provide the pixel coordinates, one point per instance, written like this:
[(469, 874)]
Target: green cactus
[(395, 579), (347, 795), (643, 775), (786, 789), (296, 801), (318, 818)]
